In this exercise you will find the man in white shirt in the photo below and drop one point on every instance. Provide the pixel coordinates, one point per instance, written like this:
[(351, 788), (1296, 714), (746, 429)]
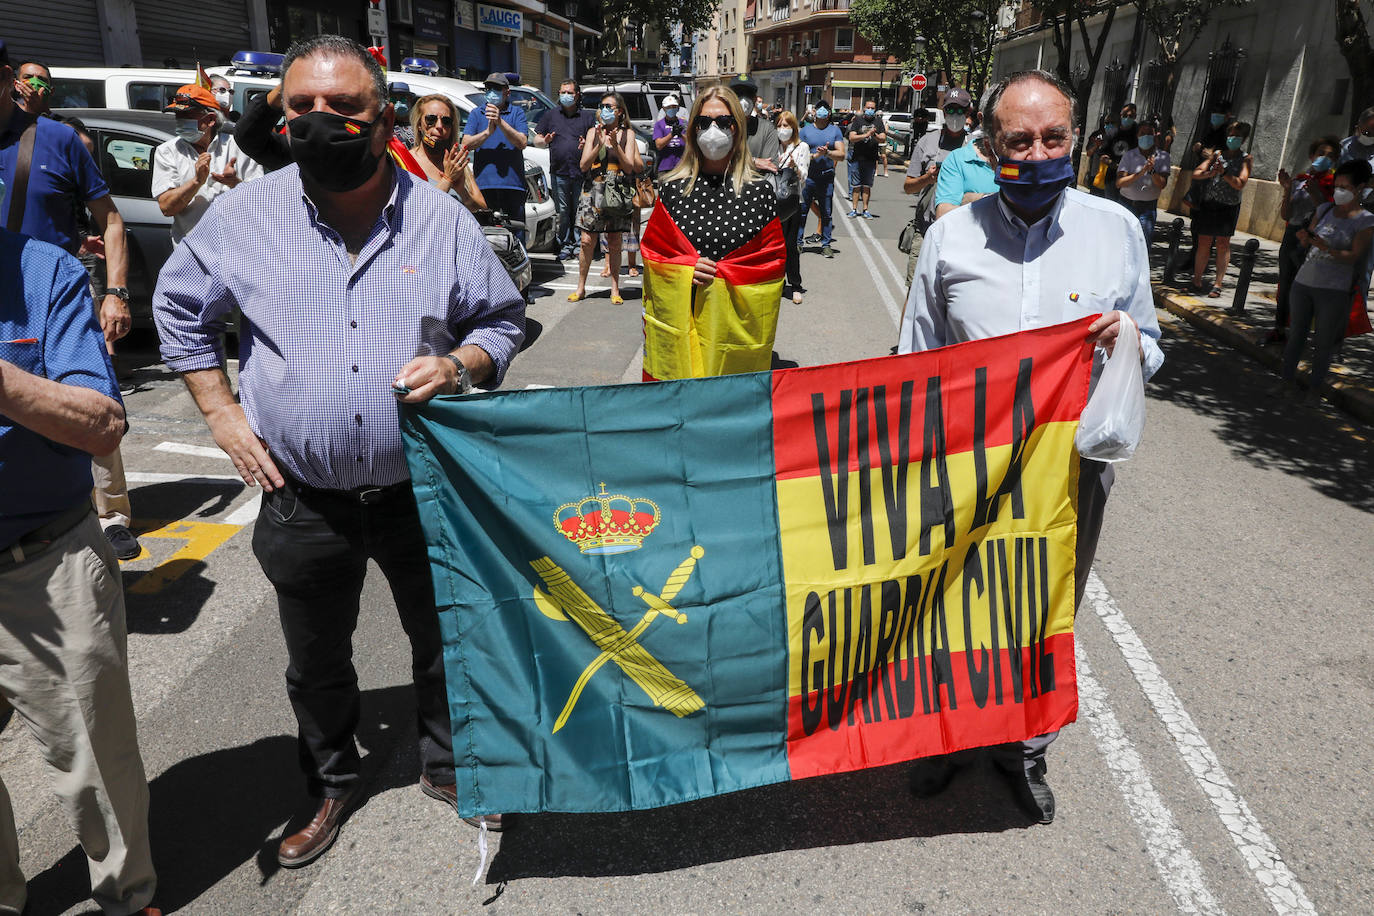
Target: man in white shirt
[(200, 164), (1037, 253)]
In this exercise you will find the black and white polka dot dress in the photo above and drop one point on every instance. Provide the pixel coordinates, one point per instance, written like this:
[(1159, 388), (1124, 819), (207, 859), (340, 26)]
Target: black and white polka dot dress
[(713, 218)]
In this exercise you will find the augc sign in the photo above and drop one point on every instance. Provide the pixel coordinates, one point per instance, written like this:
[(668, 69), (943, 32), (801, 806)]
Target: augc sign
[(499, 21)]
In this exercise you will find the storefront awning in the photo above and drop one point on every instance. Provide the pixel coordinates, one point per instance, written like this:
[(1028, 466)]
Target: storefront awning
[(859, 84)]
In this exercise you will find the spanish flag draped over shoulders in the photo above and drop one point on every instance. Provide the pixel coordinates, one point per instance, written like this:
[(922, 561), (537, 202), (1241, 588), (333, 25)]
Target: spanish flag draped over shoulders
[(728, 325)]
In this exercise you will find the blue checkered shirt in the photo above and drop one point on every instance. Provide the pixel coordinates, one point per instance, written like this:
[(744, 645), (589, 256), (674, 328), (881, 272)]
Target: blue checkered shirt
[(323, 337)]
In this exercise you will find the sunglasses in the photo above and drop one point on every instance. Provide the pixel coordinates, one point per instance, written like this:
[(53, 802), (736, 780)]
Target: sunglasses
[(724, 122), (431, 120), (955, 110)]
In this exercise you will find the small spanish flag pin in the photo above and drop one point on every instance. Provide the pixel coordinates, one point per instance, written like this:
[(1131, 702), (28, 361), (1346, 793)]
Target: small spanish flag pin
[(1073, 297)]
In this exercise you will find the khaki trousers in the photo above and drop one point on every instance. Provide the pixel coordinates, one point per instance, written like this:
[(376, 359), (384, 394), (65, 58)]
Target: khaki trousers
[(64, 669), (111, 490)]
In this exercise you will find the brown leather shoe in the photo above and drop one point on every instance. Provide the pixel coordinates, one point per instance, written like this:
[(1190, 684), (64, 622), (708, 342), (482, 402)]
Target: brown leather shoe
[(448, 794), (315, 838)]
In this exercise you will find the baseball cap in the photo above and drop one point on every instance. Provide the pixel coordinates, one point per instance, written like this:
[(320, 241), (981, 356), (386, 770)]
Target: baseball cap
[(671, 99), (496, 79), (744, 85), (960, 97), (192, 98)]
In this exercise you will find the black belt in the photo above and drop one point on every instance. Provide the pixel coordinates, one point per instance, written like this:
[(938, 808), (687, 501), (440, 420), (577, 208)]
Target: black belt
[(41, 538), (364, 496)]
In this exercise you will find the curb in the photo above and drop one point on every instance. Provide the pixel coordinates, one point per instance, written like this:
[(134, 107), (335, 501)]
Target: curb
[(1343, 389)]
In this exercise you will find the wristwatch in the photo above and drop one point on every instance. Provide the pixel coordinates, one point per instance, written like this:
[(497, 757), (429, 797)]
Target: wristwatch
[(120, 291), (464, 376)]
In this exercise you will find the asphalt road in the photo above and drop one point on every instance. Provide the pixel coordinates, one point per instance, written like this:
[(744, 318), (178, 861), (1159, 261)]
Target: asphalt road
[(1220, 762)]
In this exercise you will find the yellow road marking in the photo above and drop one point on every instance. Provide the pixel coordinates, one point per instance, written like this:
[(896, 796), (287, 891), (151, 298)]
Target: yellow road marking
[(201, 540)]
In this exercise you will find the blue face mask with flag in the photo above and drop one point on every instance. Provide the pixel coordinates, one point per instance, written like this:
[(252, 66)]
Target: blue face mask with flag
[(1033, 184)]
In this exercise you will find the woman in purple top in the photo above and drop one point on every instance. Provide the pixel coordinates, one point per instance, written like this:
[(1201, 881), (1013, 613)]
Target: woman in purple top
[(668, 135)]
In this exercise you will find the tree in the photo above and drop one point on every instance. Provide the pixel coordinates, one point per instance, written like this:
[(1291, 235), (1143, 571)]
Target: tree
[(659, 15), (952, 30), (1352, 35), (1176, 25), (1064, 16)]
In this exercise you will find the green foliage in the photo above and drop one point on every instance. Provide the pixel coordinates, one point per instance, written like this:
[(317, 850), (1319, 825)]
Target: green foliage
[(658, 14), (950, 28)]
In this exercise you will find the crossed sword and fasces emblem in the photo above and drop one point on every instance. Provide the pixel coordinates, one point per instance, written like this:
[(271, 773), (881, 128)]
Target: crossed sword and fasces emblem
[(565, 600)]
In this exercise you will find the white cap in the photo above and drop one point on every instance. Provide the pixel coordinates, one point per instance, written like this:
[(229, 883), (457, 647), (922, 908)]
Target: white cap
[(671, 99)]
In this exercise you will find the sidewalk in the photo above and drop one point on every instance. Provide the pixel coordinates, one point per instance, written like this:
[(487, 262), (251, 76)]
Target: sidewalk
[(1350, 382)]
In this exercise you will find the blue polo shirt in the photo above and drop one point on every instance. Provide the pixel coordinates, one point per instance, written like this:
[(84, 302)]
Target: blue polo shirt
[(62, 179), (498, 164), (45, 297), (962, 172), (565, 154)]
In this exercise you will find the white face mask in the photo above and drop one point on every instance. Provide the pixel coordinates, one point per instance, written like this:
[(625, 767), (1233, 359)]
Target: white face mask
[(225, 97), (747, 105), (784, 134), (1366, 141), (1342, 196), (714, 143), (187, 130), (954, 123)]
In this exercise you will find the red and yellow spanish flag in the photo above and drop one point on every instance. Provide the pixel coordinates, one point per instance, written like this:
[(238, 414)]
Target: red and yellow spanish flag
[(202, 78), (725, 327), (650, 594)]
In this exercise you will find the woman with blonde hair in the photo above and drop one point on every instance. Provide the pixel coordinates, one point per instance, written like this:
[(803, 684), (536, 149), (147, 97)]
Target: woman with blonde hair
[(713, 254), (434, 119)]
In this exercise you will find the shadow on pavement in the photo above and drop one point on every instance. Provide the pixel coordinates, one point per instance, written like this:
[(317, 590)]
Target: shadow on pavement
[(1312, 442), (213, 812), (861, 807)]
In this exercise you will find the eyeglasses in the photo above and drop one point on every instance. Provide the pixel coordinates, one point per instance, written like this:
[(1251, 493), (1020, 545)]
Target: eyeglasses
[(431, 120), (724, 122)]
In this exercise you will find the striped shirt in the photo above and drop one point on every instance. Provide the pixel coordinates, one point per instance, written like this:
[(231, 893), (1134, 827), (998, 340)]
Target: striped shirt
[(322, 336)]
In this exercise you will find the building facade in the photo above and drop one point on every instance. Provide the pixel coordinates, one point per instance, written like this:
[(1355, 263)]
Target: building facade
[(542, 42), (1277, 63)]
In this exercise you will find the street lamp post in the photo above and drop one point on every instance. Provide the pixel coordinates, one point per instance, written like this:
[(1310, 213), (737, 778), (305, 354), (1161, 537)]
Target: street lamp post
[(918, 44)]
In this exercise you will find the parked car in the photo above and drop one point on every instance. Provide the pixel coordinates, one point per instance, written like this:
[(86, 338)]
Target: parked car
[(898, 124), (124, 144), (643, 98)]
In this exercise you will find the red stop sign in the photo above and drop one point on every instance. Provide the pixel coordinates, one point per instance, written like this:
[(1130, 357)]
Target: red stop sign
[(918, 82)]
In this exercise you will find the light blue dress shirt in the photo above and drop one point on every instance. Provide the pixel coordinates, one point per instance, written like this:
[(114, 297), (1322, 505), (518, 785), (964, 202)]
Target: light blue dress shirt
[(323, 336), (983, 272)]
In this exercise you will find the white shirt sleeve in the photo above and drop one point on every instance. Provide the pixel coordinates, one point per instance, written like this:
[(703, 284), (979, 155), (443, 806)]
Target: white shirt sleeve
[(801, 157), (1141, 302), (169, 168), (923, 324), (246, 168)]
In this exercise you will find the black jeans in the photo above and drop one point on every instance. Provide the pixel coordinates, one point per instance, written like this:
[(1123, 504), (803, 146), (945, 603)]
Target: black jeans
[(1291, 255), (314, 546), (791, 231)]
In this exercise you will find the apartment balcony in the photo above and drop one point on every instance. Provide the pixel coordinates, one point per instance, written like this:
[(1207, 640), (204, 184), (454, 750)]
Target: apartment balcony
[(829, 6), (784, 12)]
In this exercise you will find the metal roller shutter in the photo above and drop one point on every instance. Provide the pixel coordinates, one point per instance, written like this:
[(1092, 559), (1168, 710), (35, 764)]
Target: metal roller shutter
[(217, 30), (531, 64), (60, 33)]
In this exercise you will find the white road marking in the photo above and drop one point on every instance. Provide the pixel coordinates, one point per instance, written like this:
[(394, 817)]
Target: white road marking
[(159, 477), (246, 513), (892, 308), (200, 451), (1258, 851), (898, 277), (533, 385), (625, 283), (1177, 867)]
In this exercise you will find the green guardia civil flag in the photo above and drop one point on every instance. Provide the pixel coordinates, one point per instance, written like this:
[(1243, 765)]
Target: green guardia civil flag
[(654, 593)]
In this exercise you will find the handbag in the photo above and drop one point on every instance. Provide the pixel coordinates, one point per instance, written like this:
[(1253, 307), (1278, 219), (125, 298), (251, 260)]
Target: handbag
[(646, 195), (19, 189), (1100, 179), (618, 198), (908, 236), (786, 186)]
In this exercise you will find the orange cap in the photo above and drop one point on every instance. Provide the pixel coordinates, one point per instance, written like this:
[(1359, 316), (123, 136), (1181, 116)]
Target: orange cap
[(191, 97)]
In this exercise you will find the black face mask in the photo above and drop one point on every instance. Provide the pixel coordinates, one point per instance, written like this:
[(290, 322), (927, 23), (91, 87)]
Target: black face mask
[(333, 152)]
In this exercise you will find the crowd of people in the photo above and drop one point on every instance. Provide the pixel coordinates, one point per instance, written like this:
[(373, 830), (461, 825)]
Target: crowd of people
[(356, 197)]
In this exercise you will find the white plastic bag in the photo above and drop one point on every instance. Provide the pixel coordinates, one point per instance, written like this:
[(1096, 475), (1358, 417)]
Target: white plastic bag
[(1113, 420)]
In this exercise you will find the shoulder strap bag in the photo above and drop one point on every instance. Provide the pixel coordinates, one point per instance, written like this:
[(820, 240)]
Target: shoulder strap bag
[(20, 191)]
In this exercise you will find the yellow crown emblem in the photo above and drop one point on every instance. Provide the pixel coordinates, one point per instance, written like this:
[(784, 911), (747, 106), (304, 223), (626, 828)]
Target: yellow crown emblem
[(607, 522)]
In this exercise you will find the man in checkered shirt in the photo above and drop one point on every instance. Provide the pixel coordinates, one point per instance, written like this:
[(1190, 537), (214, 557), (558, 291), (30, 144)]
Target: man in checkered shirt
[(352, 277)]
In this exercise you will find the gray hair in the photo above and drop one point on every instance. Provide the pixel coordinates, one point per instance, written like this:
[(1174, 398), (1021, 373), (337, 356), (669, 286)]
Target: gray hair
[(992, 126), (338, 46)]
